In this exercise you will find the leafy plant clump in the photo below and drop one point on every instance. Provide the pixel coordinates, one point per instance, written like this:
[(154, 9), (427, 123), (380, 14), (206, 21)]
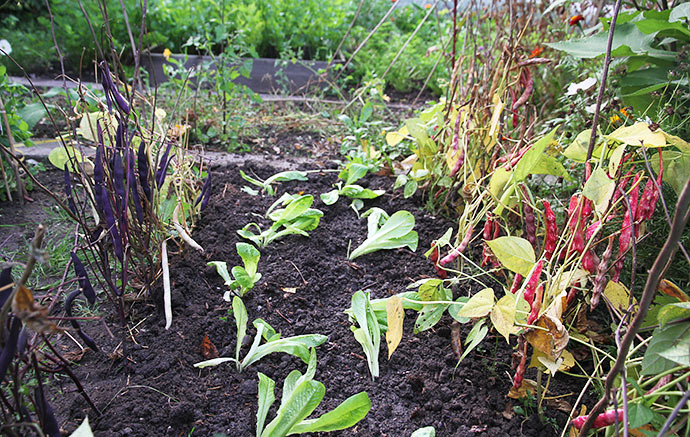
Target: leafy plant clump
[(352, 172), (298, 345), (296, 218), (267, 185), (368, 332), (243, 278), (387, 232), (301, 396)]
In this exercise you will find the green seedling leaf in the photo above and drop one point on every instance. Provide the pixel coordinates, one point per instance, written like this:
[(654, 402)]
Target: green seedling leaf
[(353, 172), (428, 290), (475, 336), (345, 415), (358, 192), (599, 189), (84, 430), (429, 316), (239, 311), (266, 399), (301, 403), (330, 198), (410, 189), (298, 346), (267, 185), (514, 253), (479, 305), (250, 256), (214, 362), (268, 333), (395, 233), (369, 333), (400, 181), (222, 270), (428, 431)]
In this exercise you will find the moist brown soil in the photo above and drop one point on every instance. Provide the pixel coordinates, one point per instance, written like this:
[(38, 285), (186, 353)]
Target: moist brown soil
[(144, 381)]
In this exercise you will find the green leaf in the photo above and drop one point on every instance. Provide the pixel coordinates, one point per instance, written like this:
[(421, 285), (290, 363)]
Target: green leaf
[(498, 182), (514, 253), (427, 431), (673, 311), (639, 415), (429, 316), (60, 157), (268, 331), (84, 430), (599, 189), (345, 415), (453, 310), (479, 305), (213, 362), (429, 289), (239, 311), (550, 165), (266, 399), (627, 41), (353, 172), (410, 189), (395, 233), (330, 197), (662, 339), (32, 114), (298, 346), (680, 12), (243, 279), (222, 270), (250, 256), (358, 192), (475, 336), (676, 169), (577, 150), (532, 157), (303, 401), (286, 176), (369, 333), (680, 353)]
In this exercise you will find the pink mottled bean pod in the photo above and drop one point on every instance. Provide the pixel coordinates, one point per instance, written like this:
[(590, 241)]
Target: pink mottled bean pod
[(458, 250), (551, 231), (532, 282), (600, 279), (603, 420)]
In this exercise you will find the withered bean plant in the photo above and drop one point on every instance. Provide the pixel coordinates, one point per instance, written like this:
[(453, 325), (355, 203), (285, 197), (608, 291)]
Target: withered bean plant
[(485, 154), (129, 187)]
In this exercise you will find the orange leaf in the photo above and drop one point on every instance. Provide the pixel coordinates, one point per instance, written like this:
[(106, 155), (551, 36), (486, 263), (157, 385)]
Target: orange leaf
[(32, 314), (671, 289)]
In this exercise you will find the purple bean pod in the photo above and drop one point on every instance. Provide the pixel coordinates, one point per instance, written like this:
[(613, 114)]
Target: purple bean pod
[(163, 166), (68, 192), (110, 221), (119, 184), (205, 193), (75, 324), (143, 167), (83, 278), (49, 423), (133, 185), (109, 86), (10, 347), (5, 281)]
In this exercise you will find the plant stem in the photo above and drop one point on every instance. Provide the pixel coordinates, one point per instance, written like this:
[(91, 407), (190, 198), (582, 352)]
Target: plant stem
[(661, 264), (602, 87), (20, 185)]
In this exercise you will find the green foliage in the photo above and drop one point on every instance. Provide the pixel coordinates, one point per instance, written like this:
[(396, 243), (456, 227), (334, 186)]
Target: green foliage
[(301, 396), (387, 232), (298, 345), (267, 185), (368, 334), (243, 278)]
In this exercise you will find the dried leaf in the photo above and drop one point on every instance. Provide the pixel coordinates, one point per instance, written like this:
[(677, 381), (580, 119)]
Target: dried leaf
[(551, 341), (208, 349), (528, 387), (618, 295), (560, 404), (456, 339), (670, 289), (395, 316), (34, 316)]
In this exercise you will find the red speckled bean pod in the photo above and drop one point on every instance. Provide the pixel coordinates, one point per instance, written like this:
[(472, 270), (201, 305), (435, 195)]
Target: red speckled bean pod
[(603, 420), (458, 250), (551, 231), (600, 279), (532, 282)]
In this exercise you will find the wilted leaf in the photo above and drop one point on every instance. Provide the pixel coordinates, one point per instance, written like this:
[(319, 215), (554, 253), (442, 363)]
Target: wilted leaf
[(208, 349), (395, 316), (618, 295), (599, 189), (32, 314), (479, 305), (671, 289), (551, 341), (514, 253), (503, 316), (528, 387)]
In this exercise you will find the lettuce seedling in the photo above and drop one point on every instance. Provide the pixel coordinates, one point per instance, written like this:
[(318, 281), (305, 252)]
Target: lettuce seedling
[(352, 172), (368, 334), (301, 396), (243, 278), (267, 185), (297, 217), (298, 345), (394, 232)]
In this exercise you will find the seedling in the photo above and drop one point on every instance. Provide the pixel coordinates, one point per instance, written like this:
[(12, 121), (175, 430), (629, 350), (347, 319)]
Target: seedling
[(243, 278), (297, 217), (298, 345), (368, 334), (301, 396), (350, 174), (267, 185), (394, 232)]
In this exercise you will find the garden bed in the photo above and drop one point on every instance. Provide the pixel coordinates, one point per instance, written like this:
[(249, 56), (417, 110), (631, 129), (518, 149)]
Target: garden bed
[(145, 382)]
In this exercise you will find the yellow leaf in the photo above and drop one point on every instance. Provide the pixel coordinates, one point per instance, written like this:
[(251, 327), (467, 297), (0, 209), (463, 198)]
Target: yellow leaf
[(496, 117), (599, 189), (394, 138), (618, 295), (615, 160), (479, 305), (566, 360), (528, 387), (498, 181), (676, 141), (503, 316), (638, 134), (395, 316)]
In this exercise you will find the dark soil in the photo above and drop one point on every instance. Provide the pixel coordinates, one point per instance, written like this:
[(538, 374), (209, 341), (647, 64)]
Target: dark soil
[(146, 385)]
